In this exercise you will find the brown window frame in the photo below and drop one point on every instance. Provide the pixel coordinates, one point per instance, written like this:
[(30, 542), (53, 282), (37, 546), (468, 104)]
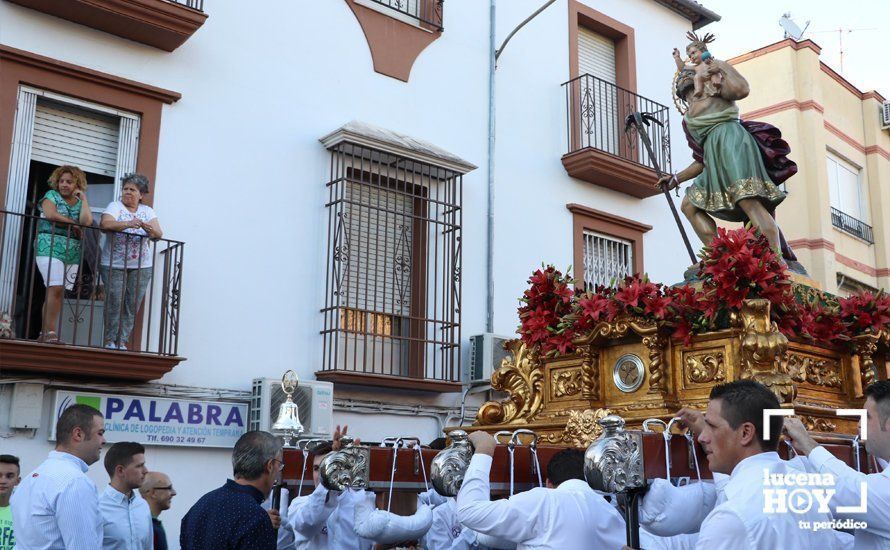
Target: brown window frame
[(586, 218)]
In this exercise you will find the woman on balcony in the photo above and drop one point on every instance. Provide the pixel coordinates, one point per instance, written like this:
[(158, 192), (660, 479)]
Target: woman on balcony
[(126, 264), (57, 247)]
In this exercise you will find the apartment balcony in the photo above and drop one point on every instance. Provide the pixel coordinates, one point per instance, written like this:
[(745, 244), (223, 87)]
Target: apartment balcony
[(104, 330), (851, 225), (423, 13), (163, 24), (599, 151)]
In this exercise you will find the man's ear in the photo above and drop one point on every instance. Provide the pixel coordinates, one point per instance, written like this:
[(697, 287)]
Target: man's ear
[(747, 434)]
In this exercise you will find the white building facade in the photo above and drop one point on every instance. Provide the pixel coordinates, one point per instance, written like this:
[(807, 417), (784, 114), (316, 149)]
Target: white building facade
[(321, 171)]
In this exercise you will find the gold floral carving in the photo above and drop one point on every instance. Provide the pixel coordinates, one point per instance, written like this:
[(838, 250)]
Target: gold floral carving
[(813, 370), (566, 383), (590, 372), (865, 346), (762, 348), (521, 375), (581, 428), (701, 368), (816, 424), (656, 343)]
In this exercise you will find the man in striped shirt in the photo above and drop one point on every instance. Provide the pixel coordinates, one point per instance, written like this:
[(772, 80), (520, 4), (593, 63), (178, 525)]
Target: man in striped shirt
[(57, 505)]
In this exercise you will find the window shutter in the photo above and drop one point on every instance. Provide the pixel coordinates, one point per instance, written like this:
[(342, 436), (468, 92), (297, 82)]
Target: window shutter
[(596, 55), (66, 134)]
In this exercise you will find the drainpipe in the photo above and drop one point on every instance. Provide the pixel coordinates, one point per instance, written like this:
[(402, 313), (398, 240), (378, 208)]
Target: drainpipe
[(494, 53), (489, 261)]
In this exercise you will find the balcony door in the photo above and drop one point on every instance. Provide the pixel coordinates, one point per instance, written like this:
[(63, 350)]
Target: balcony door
[(600, 124)]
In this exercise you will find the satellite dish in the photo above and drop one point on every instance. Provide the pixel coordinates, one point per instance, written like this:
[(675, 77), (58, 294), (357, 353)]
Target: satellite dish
[(790, 27)]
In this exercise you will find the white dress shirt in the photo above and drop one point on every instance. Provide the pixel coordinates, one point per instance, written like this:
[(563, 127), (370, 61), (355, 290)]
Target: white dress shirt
[(569, 516), (56, 507), (848, 484), (325, 519), (446, 533), (126, 521), (740, 523)]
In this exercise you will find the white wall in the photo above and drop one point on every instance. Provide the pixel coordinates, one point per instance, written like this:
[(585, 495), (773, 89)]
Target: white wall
[(241, 176)]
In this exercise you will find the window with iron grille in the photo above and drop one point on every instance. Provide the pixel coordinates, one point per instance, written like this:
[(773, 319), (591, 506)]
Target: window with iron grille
[(392, 304), (607, 260)]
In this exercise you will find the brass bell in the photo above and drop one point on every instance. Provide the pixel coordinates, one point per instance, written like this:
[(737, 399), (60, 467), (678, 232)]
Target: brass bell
[(288, 423)]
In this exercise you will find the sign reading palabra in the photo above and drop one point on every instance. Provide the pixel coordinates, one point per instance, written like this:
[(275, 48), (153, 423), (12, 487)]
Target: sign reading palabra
[(159, 421)]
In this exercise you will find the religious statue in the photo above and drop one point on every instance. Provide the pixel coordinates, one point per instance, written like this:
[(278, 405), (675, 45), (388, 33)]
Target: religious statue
[(738, 165)]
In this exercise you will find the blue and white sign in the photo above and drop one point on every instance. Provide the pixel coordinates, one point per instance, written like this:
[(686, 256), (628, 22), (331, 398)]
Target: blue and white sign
[(159, 421)]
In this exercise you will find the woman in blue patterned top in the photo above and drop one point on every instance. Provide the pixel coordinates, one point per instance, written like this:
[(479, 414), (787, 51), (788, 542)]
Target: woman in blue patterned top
[(58, 247)]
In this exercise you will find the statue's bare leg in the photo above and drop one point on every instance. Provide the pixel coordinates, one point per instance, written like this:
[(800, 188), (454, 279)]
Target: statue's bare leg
[(760, 217), (703, 224)]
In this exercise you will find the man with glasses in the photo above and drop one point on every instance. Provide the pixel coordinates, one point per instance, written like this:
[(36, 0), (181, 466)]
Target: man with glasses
[(232, 516), (158, 492)]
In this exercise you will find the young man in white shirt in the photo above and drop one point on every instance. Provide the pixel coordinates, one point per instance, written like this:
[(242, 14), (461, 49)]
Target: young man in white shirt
[(126, 517), (566, 514), (326, 519), (56, 506), (732, 433), (849, 483)]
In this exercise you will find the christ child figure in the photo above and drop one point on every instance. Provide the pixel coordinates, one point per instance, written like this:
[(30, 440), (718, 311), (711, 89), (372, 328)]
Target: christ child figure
[(708, 78)]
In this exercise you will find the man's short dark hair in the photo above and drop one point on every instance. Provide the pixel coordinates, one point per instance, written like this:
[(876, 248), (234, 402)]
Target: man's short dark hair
[(321, 448), (252, 452), (565, 465), (10, 459), (76, 416), (880, 392), (744, 401), (121, 454)]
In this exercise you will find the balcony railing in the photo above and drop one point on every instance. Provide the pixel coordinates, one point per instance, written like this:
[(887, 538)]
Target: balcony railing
[(102, 275), (596, 111), (194, 4), (851, 225), (426, 12)]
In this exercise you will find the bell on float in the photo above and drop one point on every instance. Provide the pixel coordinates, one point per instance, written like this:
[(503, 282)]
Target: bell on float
[(288, 423)]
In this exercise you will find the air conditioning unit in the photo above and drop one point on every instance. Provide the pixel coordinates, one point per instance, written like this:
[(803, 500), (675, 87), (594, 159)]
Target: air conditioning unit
[(885, 115), (314, 397), (486, 353)]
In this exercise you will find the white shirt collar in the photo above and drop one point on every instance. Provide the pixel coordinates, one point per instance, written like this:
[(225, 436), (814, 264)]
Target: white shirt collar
[(118, 496), (574, 485), (60, 455), (739, 480)]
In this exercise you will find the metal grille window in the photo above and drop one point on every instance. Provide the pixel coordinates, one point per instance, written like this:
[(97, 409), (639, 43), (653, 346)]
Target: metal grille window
[(392, 303), (607, 260), (427, 13)]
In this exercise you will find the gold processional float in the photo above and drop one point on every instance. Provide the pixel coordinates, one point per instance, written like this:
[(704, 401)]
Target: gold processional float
[(625, 378)]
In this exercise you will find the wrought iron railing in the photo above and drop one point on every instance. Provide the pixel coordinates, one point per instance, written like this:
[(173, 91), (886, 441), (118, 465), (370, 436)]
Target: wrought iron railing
[(596, 111), (393, 284), (98, 276), (851, 225), (425, 12), (194, 4)]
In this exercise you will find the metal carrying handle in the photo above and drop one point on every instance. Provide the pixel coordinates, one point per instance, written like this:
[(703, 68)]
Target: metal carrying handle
[(649, 421), (533, 449), (303, 446), (856, 450), (499, 434)]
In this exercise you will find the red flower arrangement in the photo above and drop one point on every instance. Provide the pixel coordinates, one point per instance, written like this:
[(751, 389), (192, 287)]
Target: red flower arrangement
[(738, 265)]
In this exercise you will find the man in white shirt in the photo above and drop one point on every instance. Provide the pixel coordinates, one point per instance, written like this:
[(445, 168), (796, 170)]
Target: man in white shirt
[(326, 519), (56, 506), (848, 482), (126, 517), (566, 514), (732, 433)]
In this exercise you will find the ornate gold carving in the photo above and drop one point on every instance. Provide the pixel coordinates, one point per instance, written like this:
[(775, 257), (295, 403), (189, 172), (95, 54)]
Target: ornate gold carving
[(865, 346), (521, 375), (581, 428), (762, 347), (813, 370), (701, 368), (656, 343), (816, 424), (590, 372), (566, 383), (617, 329)]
